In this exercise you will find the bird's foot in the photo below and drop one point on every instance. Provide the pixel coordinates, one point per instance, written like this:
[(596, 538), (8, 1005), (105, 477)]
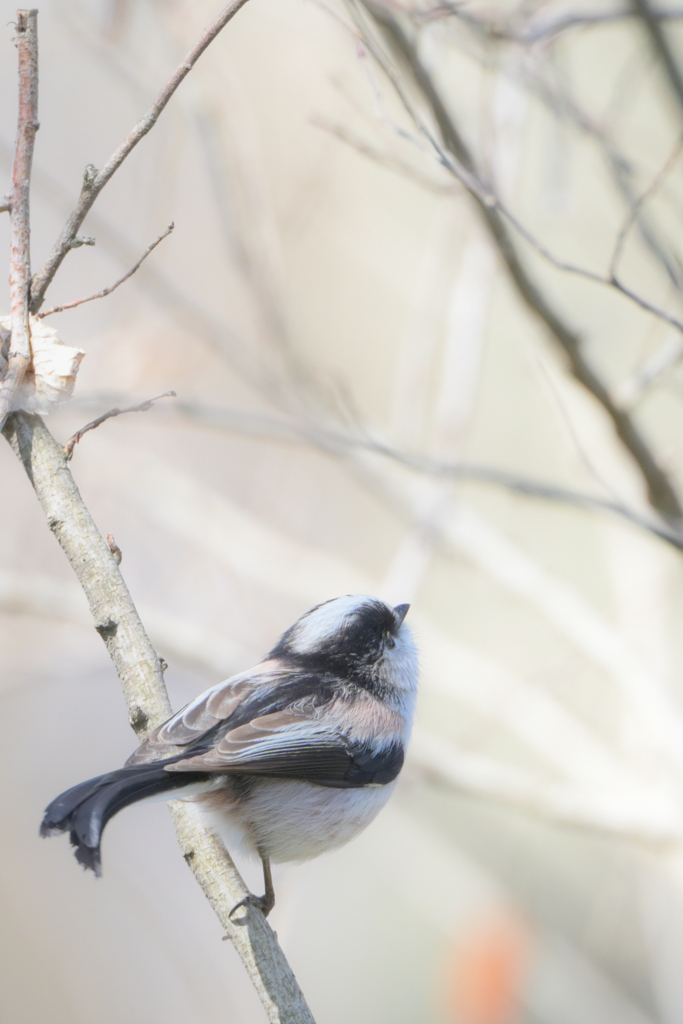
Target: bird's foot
[(264, 903)]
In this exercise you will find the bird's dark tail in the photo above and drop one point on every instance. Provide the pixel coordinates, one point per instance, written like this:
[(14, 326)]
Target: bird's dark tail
[(84, 810)]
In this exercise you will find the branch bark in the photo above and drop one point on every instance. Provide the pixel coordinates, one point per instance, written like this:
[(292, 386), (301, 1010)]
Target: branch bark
[(661, 492), (94, 180), (139, 669), (19, 354)]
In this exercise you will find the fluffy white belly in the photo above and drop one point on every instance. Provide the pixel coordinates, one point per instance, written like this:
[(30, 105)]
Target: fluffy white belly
[(288, 820)]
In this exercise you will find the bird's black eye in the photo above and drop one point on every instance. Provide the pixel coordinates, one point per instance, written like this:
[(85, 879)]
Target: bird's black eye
[(389, 640)]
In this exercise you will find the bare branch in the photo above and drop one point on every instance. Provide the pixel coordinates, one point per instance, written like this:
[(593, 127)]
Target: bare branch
[(113, 287), (112, 610), (94, 180), (538, 29), (546, 29), (340, 445), (140, 671), (457, 160), (655, 29), (488, 200), (565, 106), (94, 424), (640, 816), (632, 216), (661, 491), (630, 391), (19, 354), (388, 160)]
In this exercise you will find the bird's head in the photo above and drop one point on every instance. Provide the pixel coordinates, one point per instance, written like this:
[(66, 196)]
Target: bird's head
[(356, 637)]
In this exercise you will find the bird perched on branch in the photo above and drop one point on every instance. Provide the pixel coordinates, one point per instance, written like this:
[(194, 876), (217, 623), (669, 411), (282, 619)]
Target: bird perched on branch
[(287, 760)]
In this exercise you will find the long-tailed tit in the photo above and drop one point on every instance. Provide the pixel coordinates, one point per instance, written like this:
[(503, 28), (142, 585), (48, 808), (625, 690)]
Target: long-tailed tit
[(287, 760)]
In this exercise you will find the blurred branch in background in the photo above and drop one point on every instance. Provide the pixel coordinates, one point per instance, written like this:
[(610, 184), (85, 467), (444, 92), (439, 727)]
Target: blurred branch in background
[(528, 27), (341, 445), (654, 25), (661, 491)]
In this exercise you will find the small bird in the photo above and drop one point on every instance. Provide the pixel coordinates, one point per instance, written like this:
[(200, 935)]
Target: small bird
[(287, 760)]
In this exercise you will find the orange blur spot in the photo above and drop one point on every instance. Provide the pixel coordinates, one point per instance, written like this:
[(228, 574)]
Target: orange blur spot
[(484, 970)]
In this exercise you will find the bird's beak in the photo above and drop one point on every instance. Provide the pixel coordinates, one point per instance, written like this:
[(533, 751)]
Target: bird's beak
[(400, 612)]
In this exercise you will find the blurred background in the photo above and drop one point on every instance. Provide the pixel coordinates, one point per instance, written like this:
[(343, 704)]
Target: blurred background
[(369, 401)]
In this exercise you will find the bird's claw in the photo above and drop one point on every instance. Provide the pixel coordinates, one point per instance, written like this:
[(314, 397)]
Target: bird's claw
[(263, 903)]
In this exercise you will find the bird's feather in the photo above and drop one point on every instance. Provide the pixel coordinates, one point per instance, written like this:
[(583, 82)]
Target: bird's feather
[(296, 729)]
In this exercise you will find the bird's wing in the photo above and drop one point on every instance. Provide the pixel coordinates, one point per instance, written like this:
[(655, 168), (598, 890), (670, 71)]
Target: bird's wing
[(294, 743), (206, 712), (279, 722)]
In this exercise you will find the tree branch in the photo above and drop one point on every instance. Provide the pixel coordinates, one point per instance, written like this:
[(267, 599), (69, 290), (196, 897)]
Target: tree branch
[(644, 197), (537, 29), (564, 106), (112, 287), (19, 354), (95, 562), (338, 444), (661, 492), (99, 420), (652, 21), (139, 669), (94, 180), (637, 814)]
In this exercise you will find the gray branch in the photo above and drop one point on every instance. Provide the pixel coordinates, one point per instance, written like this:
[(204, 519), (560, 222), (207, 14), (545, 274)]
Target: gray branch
[(139, 669), (19, 354), (94, 180)]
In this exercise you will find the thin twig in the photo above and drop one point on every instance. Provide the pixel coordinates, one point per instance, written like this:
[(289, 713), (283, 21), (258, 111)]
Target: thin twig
[(661, 491), (19, 354), (340, 445), (94, 180), (631, 390), (651, 19), (113, 287), (644, 196), (457, 160), (94, 424), (564, 106), (140, 671), (384, 159), (489, 200), (537, 30)]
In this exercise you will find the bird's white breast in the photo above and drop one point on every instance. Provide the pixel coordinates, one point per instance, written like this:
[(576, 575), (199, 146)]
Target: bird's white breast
[(291, 820)]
